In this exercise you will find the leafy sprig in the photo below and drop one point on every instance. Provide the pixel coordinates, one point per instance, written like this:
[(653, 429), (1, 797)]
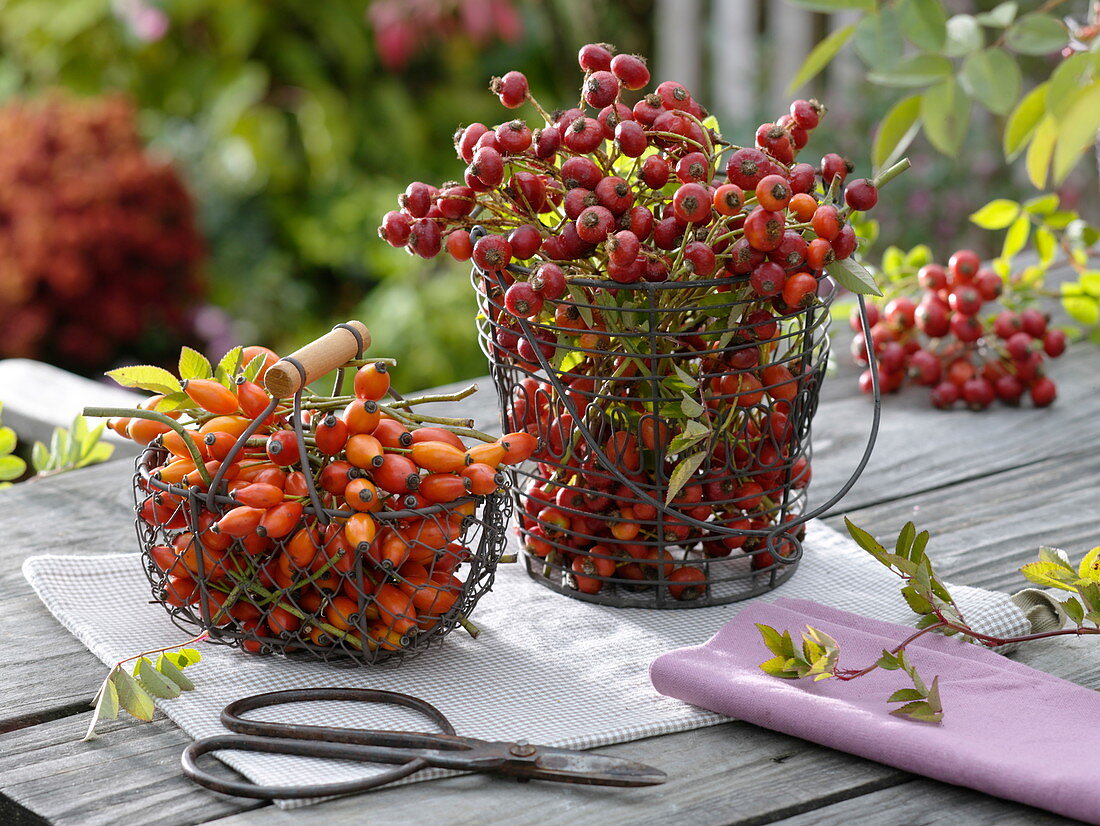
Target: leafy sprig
[(133, 690), (928, 597), (77, 447), (11, 467)]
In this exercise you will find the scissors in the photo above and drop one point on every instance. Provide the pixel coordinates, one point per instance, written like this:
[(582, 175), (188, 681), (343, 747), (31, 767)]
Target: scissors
[(412, 750)]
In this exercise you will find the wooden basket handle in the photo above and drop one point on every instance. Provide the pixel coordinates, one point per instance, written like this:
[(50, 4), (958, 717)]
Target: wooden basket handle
[(323, 355)]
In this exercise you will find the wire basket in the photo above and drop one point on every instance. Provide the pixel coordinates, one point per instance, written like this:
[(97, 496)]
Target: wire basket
[(609, 386), (311, 590)]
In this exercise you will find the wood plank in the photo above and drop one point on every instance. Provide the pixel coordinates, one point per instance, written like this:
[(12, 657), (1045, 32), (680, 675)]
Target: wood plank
[(928, 803), (920, 448), (130, 775), (86, 511), (734, 773), (38, 397)]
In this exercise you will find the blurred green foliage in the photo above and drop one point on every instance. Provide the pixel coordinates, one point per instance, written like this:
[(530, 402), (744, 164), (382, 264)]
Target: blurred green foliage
[(296, 138)]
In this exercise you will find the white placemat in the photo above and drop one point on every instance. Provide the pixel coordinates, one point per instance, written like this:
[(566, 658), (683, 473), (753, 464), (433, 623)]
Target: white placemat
[(553, 670)]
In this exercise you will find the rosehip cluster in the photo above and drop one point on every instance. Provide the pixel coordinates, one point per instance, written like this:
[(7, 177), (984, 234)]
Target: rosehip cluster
[(595, 204), (944, 342), (399, 496)]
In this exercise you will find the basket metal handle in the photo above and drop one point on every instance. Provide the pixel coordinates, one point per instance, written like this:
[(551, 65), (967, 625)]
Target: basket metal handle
[(771, 536)]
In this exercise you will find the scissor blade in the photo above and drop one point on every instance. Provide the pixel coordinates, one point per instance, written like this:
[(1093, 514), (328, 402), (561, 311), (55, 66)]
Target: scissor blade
[(566, 766)]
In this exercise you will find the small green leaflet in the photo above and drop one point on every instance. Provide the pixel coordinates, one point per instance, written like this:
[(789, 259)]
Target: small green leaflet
[(166, 665), (1036, 34), (820, 56), (252, 370), (153, 681), (853, 276), (1000, 16), (1024, 119), (146, 377), (194, 365), (997, 214), (896, 132), (691, 407), (682, 473), (694, 432), (227, 368), (132, 696)]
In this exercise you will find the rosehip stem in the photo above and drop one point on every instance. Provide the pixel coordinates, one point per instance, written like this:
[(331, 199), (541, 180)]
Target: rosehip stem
[(471, 629), (152, 415), (887, 175), (438, 397)]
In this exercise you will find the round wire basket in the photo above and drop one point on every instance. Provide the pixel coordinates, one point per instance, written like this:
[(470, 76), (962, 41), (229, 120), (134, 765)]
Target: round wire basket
[(310, 589), (627, 405)]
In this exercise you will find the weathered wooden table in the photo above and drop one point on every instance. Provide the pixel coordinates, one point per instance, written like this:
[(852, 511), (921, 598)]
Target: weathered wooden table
[(989, 486)]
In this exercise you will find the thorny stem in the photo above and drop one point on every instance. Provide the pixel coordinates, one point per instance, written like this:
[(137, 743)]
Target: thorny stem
[(851, 675)]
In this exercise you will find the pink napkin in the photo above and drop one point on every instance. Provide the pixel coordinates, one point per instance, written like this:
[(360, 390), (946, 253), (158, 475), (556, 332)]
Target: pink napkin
[(1008, 730)]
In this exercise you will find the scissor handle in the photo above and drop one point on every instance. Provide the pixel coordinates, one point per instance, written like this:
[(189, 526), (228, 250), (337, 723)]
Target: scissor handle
[(273, 745), (363, 745)]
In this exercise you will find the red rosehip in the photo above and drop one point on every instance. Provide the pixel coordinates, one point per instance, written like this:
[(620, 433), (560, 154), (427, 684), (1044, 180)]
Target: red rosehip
[(655, 172), (615, 194), (594, 224), (583, 135), (963, 266), (833, 166), (513, 137), (747, 166), (492, 253), (1043, 392), (549, 279), (459, 245), (988, 284), (806, 113), (673, 95), (395, 228), (926, 368), (488, 166), (729, 199), (764, 229), (595, 57), (693, 168), (466, 140), (547, 142), (1034, 322), (861, 195), (699, 258), (932, 277), (826, 222), (623, 247), (456, 202), (773, 192), (768, 279), (691, 203), (525, 240), (1054, 343), (631, 71), (600, 89), (522, 300), (802, 177), (416, 199), (580, 172), (965, 299), (965, 328), (1006, 324), (845, 242), (425, 238), (944, 395), (511, 89), (631, 139)]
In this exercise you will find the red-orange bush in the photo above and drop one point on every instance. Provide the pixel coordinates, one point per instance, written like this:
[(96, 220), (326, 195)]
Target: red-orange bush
[(99, 252)]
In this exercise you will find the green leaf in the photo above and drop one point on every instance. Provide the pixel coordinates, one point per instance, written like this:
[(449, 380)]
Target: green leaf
[(1046, 245), (1090, 282), (1060, 219), (1036, 34), (818, 59), (253, 368), (933, 694), (40, 457), (187, 656), (918, 603), (964, 35), (1023, 121), (11, 467), (1056, 556), (1049, 575), (1066, 82), (777, 667), (924, 23), (685, 376), (997, 214), (682, 473), (918, 70), (1016, 237), (878, 39), (888, 661), (863, 538), (1089, 567), (917, 257), (853, 276), (1073, 610), (690, 406), (146, 377), (772, 639), (694, 432), (896, 131), (946, 114), (168, 666), (992, 78), (1077, 131), (1045, 205), (1000, 16), (8, 440), (1090, 595), (153, 681), (132, 696), (194, 365), (905, 695), (227, 368), (1040, 150), (905, 539)]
